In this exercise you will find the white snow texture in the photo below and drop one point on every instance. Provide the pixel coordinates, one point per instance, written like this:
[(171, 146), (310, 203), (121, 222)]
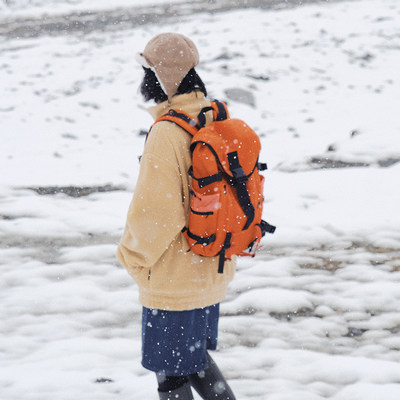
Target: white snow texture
[(316, 315)]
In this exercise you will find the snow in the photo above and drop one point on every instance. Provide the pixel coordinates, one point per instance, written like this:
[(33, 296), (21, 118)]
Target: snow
[(53, 7), (316, 314)]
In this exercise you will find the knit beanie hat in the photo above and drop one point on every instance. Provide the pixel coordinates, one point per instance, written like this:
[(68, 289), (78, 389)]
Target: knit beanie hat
[(171, 56)]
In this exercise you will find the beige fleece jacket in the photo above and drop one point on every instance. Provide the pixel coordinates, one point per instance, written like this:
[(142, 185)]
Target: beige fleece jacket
[(152, 247)]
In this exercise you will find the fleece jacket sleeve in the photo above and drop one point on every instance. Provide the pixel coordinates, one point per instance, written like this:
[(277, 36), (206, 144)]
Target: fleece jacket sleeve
[(156, 214)]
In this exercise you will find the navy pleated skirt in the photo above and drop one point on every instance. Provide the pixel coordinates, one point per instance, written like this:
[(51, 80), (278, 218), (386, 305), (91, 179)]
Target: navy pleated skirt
[(174, 343)]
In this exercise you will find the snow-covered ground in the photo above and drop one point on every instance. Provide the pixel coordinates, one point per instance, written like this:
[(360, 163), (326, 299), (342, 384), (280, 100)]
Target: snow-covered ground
[(316, 314), (10, 8)]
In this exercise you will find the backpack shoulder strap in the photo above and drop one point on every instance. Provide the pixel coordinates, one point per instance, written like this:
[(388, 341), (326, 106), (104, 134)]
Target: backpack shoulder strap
[(183, 120), (220, 112), (192, 125)]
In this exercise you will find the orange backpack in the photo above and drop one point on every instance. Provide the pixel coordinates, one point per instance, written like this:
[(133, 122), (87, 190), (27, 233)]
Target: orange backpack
[(227, 190)]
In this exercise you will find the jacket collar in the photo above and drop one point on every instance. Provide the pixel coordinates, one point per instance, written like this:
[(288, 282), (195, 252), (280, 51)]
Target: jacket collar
[(190, 103)]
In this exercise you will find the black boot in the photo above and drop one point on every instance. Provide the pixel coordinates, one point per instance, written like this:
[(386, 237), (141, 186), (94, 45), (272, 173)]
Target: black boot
[(182, 393), (211, 384)]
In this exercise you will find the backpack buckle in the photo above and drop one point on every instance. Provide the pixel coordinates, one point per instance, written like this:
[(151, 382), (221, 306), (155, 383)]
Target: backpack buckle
[(239, 176)]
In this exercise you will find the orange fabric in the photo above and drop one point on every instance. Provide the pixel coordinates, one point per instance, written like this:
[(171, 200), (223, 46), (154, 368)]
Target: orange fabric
[(215, 209), (190, 128), (215, 111)]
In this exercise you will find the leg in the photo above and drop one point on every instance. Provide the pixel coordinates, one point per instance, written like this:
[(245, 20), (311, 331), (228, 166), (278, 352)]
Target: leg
[(211, 384), (174, 387)]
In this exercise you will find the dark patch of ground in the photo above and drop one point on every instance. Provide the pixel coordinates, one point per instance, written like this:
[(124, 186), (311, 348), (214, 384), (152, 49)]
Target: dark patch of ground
[(74, 191)]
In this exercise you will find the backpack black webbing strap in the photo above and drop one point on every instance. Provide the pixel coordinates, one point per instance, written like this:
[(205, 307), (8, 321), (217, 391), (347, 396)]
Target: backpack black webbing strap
[(266, 227), (239, 183), (204, 241), (184, 117), (207, 180), (226, 245), (262, 166), (222, 114), (190, 125), (202, 116)]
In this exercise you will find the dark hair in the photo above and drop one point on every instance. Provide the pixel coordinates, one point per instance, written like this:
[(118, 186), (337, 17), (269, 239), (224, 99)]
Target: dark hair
[(151, 89), (191, 82)]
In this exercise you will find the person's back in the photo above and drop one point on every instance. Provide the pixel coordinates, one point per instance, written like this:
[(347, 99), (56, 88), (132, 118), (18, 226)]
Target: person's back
[(180, 291), (153, 248)]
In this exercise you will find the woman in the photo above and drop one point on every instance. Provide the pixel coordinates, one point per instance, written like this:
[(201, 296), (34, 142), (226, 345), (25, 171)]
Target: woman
[(179, 290)]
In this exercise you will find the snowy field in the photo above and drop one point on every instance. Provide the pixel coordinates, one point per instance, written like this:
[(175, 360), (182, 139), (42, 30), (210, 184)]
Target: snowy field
[(316, 315), (12, 8)]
